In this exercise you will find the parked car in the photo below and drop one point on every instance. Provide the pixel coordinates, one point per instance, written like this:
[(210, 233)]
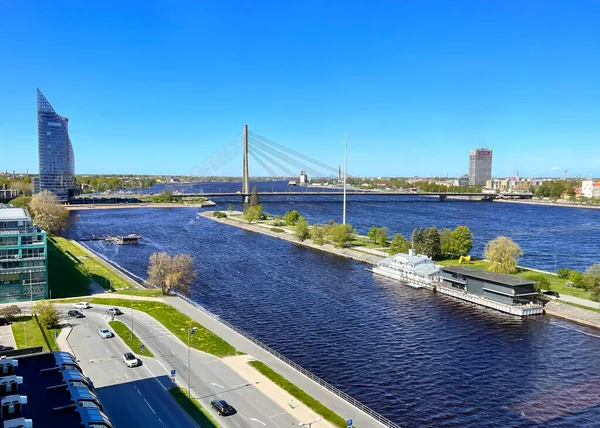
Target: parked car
[(222, 407), (105, 333), (75, 314), (82, 305), (551, 294), (130, 360), (6, 348), (114, 311), (4, 321)]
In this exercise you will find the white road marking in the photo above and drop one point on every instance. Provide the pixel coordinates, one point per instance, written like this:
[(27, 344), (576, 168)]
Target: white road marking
[(116, 363), (138, 391), (279, 414), (161, 422), (256, 420), (161, 341), (107, 350), (149, 405), (216, 384), (126, 376)]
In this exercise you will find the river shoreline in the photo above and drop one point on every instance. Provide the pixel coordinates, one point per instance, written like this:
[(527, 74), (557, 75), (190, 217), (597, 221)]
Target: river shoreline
[(547, 203), (83, 207), (553, 308)]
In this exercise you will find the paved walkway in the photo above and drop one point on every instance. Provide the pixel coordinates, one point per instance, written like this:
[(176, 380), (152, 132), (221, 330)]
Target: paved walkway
[(320, 393), (580, 301), (7, 337)]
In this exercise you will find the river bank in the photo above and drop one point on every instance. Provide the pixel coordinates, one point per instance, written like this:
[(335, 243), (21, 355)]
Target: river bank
[(560, 203), (137, 205)]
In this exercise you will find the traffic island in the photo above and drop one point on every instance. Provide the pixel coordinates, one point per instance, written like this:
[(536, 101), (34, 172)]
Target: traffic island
[(198, 413), (130, 339)]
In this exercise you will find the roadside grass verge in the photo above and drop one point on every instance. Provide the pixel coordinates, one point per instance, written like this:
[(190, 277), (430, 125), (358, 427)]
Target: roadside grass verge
[(130, 340), (87, 265), (198, 413), (148, 292), (556, 283), (28, 333), (299, 394), (66, 277), (177, 323)]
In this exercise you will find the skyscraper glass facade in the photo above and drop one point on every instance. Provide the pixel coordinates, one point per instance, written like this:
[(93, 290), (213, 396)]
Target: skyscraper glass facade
[(480, 166), (56, 158)]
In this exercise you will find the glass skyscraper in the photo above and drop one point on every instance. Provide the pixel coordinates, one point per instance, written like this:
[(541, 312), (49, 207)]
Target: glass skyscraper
[(56, 158)]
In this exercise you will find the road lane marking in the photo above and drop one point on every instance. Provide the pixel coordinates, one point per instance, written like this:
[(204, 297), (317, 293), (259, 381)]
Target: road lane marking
[(161, 422), (216, 384), (256, 420), (138, 391), (279, 414), (116, 363), (149, 405), (107, 350)]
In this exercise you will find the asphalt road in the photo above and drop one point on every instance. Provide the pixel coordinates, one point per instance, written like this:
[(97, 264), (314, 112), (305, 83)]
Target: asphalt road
[(210, 377), (132, 397)]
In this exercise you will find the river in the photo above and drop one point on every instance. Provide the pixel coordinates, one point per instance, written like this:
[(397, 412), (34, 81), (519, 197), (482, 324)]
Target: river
[(415, 357)]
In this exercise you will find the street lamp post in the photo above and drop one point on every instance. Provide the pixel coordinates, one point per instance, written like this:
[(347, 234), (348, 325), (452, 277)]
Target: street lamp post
[(25, 332), (190, 331), (309, 424)]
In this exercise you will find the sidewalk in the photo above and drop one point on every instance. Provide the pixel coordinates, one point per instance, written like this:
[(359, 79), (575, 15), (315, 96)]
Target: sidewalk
[(580, 301), (320, 393)]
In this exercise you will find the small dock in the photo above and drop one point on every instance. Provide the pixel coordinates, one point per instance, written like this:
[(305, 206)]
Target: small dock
[(119, 240)]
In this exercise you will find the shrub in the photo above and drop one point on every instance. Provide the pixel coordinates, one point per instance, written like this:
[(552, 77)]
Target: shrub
[(219, 214), (277, 230), (318, 235), (291, 217), (563, 273), (10, 311), (543, 283), (47, 313), (577, 279), (278, 223), (301, 229)]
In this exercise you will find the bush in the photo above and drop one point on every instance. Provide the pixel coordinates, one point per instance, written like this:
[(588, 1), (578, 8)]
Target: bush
[(318, 235), (577, 279), (291, 217), (10, 311), (301, 229), (219, 214), (543, 283), (278, 223), (563, 273), (46, 313), (277, 230)]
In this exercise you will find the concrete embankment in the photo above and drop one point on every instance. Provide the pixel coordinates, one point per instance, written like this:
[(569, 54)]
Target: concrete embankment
[(135, 205), (573, 313), (566, 204), (365, 257)]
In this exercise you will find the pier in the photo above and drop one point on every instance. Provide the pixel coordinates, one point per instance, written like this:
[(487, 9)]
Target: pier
[(119, 240)]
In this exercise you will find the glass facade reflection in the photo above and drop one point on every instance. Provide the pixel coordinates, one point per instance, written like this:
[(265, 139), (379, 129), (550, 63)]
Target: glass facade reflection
[(56, 157)]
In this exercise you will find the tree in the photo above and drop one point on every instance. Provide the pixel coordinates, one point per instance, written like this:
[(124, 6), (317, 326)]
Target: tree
[(252, 212), (577, 279), (47, 313), (230, 208), (341, 234), (21, 202), (502, 255), (10, 312), (543, 283), (318, 235), (254, 197), (563, 273), (399, 245), (445, 242), (417, 239), (301, 229), (592, 280), (381, 237), (48, 213), (291, 217), (171, 273), (431, 242), (461, 241), (372, 234)]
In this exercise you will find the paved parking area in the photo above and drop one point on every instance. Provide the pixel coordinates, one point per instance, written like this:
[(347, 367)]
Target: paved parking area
[(6, 336)]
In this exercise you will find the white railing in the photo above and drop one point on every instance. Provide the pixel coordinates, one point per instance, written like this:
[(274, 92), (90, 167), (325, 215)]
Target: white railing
[(362, 407)]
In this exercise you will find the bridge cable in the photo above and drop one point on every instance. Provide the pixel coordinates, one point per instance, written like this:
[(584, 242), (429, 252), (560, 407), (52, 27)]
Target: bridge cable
[(273, 161), (286, 158)]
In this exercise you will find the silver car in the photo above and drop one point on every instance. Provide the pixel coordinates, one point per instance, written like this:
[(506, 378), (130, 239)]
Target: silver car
[(130, 360), (105, 333)]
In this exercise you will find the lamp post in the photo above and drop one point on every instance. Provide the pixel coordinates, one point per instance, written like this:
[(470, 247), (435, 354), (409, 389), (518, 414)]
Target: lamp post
[(309, 424), (190, 331), (25, 332)]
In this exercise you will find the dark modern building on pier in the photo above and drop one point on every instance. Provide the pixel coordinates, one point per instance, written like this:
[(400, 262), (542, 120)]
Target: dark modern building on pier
[(55, 151)]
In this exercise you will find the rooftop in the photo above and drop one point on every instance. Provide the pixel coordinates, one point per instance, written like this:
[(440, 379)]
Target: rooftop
[(11, 213), (508, 280)]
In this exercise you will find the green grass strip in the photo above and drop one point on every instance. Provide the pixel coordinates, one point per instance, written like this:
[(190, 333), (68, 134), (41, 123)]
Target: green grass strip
[(177, 323), (28, 334), (148, 292), (322, 410), (194, 409), (130, 340)]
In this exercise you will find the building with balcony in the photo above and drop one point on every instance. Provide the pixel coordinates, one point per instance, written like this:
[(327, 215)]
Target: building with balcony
[(55, 152), (23, 250)]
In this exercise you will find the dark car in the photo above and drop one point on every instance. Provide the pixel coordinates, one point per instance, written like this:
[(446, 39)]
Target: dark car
[(551, 294), (114, 311), (75, 314), (6, 348), (222, 407), (4, 321)]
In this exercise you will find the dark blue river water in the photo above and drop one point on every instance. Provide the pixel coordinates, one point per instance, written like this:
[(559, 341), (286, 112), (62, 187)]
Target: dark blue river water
[(417, 358)]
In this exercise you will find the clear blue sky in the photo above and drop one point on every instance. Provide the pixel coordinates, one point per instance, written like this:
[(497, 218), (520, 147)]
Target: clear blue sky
[(156, 86)]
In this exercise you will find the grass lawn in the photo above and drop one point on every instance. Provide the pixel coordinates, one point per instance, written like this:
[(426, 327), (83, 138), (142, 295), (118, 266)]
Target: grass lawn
[(30, 334), (557, 284), (148, 292), (299, 394), (194, 409), (130, 340), (203, 339), (82, 261), (66, 277)]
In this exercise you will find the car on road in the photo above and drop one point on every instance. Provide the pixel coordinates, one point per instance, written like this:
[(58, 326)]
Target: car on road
[(114, 311), (551, 294), (130, 360), (222, 407), (105, 333), (75, 314), (4, 321), (6, 348), (82, 305)]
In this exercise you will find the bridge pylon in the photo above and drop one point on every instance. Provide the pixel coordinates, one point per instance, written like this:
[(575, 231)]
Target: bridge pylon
[(245, 174)]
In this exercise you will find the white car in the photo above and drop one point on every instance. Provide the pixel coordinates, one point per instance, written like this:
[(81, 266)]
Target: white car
[(105, 333), (130, 360), (82, 305)]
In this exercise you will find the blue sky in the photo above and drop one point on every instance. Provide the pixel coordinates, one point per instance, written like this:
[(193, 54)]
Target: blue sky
[(157, 86)]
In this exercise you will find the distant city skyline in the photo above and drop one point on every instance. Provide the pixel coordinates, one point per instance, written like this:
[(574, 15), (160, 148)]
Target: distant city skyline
[(155, 89)]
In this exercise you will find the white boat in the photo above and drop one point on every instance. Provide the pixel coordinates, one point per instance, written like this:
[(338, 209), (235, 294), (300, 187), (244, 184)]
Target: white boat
[(292, 183), (416, 270)]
